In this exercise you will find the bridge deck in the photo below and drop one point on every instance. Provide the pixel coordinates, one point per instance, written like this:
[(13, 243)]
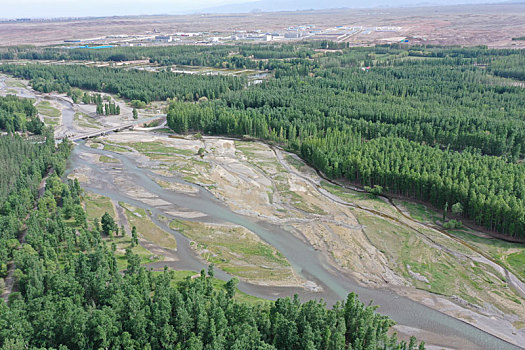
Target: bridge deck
[(105, 131)]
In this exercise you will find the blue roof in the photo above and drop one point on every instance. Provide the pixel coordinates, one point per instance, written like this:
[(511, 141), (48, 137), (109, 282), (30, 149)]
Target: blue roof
[(92, 47)]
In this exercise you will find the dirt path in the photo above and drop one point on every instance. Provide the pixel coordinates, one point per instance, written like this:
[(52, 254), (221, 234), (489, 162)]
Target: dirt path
[(10, 278)]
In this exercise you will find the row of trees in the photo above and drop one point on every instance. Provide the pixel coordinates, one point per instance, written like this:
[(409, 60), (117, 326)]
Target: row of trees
[(130, 84), (70, 294), (491, 189), (110, 108), (510, 67), (227, 56)]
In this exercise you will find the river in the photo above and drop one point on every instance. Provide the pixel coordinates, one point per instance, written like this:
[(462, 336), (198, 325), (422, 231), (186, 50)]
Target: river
[(308, 262)]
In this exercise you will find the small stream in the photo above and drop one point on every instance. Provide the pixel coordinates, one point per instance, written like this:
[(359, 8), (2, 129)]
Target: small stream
[(306, 261)]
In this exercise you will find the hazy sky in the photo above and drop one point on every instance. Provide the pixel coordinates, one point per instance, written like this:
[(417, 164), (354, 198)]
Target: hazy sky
[(80, 8), (84, 8)]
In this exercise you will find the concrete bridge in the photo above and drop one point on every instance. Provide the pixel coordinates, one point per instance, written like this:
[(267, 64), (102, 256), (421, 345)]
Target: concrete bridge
[(105, 131)]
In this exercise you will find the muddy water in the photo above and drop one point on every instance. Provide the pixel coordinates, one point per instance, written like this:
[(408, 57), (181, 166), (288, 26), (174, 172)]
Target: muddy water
[(311, 264)]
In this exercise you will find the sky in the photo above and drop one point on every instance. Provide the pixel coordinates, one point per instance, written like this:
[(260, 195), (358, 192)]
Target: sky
[(85, 8)]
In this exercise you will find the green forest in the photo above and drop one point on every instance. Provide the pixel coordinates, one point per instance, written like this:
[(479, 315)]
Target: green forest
[(69, 292), (19, 115), (444, 125), (130, 84)]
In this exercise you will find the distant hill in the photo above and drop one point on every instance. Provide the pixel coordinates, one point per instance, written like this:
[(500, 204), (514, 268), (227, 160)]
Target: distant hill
[(292, 5)]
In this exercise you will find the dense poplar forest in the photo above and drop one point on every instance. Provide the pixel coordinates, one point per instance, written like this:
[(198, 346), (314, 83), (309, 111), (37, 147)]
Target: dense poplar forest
[(70, 294), (130, 84)]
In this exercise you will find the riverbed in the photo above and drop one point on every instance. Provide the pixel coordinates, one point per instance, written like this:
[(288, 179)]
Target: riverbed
[(414, 318)]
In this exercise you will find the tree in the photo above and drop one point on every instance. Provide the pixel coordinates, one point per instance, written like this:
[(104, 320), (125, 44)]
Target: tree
[(135, 114), (108, 224), (376, 190), (100, 109), (457, 209), (134, 237), (230, 287), (211, 273)]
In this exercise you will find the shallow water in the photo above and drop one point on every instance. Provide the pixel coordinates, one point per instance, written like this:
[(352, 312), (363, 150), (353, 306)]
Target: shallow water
[(306, 261)]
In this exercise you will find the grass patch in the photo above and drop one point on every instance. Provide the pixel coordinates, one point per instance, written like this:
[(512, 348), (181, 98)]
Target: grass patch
[(15, 83), (298, 202), (404, 247), (421, 212), (518, 324), (347, 194), (296, 163), (156, 147), (446, 274), (96, 205), (219, 285), (146, 227), (106, 159), (51, 121), (115, 148), (517, 261), (236, 250), (45, 108), (86, 121), (509, 254), (249, 149)]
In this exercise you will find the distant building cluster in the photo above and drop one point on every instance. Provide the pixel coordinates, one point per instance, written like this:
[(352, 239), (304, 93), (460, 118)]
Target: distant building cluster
[(338, 33)]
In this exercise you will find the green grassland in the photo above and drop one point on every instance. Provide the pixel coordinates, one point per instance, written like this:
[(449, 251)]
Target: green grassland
[(180, 276), (235, 250), (146, 227), (155, 147), (85, 121), (96, 205), (45, 108)]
